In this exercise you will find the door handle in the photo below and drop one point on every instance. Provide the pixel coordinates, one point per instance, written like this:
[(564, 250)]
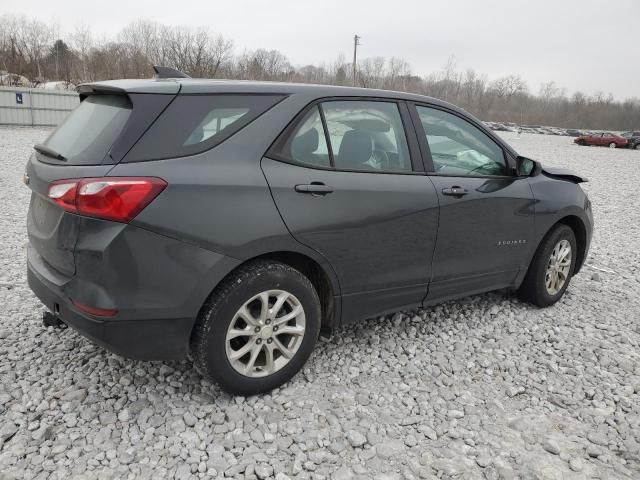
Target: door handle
[(455, 191), (314, 188)]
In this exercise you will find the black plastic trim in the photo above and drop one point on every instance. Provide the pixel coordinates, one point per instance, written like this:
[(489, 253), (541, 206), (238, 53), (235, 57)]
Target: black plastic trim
[(327, 138), (146, 109), (415, 156)]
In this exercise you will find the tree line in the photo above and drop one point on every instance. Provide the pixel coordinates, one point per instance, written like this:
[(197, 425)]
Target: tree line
[(37, 51)]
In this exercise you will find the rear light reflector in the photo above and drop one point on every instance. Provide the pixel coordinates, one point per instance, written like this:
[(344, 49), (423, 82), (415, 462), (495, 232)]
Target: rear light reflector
[(64, 194), (96, 312), (118, 199)]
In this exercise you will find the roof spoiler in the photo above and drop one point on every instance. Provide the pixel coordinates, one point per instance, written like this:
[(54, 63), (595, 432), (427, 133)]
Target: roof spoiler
[(86, 89), (168, 72)]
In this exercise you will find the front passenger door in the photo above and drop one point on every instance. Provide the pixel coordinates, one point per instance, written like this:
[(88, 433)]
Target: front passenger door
[(486, 213)]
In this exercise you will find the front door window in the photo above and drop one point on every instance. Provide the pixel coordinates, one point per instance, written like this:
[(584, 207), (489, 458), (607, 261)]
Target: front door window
[(459, 148)]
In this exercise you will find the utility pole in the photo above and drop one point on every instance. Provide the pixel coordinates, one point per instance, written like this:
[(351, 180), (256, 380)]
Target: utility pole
[(356, 42), (57, 62)]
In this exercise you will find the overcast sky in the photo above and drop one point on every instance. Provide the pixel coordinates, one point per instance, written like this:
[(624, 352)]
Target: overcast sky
[(583, 45)]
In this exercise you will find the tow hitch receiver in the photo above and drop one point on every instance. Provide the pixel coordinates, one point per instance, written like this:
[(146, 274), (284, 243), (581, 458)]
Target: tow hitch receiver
[(51, 320)]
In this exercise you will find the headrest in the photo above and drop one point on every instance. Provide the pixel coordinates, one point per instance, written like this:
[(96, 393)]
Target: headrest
[(356, 148)]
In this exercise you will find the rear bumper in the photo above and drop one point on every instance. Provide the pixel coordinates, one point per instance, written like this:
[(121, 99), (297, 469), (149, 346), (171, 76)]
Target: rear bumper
[(162, 339), (155, 283)]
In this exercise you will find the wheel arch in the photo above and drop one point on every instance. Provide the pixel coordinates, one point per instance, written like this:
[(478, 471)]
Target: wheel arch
[(322, 277), (580, 231), (325, 284)]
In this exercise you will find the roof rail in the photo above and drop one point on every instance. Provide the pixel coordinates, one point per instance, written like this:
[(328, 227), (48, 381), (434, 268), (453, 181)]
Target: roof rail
[(168, 72)]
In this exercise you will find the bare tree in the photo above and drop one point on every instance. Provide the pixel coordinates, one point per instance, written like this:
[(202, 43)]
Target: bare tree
[(509, 86), (36, 37), (81, 41), (29, 48), (221, 52)]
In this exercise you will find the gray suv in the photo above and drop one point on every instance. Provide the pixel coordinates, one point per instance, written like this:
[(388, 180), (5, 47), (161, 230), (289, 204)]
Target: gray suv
[(233, 221)]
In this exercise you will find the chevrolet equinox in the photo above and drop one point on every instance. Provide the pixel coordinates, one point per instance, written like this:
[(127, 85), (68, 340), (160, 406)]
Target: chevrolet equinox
[(232, 221)]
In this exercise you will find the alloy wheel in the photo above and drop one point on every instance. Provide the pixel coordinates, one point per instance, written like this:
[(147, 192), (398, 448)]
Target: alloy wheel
[(558, 267), (265, 333)]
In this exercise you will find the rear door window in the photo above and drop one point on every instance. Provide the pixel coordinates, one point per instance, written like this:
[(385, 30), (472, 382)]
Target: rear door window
[(87, 134), (367, 136), (192, 124), (356, 135)]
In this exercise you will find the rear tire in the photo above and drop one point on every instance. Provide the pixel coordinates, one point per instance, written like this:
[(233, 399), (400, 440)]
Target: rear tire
[(235, 320), (549, 275), (613, 145), (637, 147)]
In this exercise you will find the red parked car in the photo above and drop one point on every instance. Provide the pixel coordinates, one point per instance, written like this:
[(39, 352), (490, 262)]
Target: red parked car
[(610, 140)]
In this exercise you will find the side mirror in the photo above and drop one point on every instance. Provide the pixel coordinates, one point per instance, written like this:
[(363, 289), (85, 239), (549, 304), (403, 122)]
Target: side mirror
[(527, 167)]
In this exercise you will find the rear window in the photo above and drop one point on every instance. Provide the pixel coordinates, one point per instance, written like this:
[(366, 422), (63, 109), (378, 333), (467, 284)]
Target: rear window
[(87, 134), (192, 124)]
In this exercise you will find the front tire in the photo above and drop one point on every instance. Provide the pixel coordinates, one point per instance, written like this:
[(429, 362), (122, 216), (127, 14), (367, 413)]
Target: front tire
[(637, 147), (613, 145), (551, 268), (257, 329)]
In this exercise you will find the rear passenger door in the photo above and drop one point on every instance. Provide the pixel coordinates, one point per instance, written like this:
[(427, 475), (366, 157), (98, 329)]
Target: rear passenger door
[(343, 178), (486, 211)]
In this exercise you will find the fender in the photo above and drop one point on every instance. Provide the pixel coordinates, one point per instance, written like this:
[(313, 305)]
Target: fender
[(554, 202)]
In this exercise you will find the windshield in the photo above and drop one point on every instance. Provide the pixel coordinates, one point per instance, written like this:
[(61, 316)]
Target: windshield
[(86, 135)]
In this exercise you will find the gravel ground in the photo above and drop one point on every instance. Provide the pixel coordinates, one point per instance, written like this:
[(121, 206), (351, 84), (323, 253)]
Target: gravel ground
[(485, 387)]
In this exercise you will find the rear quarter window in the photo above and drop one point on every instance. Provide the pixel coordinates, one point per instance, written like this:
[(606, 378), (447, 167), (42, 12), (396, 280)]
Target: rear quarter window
[(192, 124)]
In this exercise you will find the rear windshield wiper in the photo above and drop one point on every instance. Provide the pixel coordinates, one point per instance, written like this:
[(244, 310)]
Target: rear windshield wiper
[(49, 152)]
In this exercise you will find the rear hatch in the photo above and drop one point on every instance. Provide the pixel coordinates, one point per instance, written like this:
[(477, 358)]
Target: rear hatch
[(91, 140)]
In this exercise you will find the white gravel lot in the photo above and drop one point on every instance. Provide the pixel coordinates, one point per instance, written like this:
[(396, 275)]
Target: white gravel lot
[(485, 387)]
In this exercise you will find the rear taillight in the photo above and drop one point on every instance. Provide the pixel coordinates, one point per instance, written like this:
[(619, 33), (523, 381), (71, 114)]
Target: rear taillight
[(118, 199)]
